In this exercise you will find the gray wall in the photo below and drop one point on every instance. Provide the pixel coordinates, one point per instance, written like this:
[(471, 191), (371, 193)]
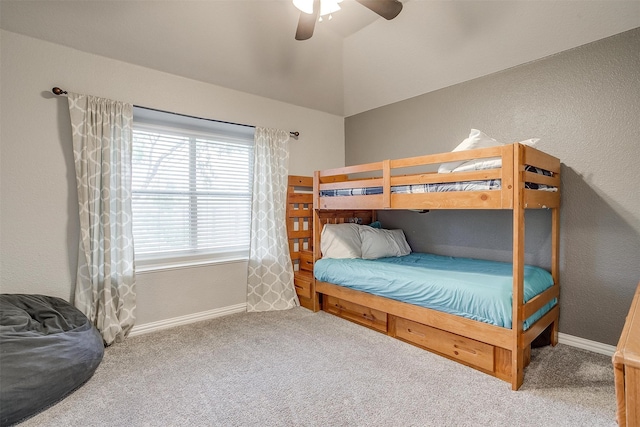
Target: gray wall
[(584, 104)]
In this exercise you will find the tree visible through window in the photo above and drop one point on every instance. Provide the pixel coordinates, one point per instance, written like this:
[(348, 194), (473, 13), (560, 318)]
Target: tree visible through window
[(191, 192)]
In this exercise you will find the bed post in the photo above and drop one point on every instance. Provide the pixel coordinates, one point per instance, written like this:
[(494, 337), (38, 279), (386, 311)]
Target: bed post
[(317, 228), (517, 346), (555, 263)]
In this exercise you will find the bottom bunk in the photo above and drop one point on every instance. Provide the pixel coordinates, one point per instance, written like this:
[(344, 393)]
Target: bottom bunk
[(459, 308)]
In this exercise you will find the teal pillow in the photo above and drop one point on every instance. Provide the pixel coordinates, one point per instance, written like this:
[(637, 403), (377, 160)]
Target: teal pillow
[(376, 224)]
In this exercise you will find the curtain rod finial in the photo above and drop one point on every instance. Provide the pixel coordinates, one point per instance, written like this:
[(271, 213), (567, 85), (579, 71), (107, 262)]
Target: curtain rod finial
[(57, 91)]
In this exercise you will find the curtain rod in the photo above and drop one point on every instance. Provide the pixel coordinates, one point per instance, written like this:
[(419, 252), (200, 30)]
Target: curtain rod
[(294, 134)]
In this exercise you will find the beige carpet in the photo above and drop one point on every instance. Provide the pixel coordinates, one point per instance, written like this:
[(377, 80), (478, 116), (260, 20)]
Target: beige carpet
[(298, 368)]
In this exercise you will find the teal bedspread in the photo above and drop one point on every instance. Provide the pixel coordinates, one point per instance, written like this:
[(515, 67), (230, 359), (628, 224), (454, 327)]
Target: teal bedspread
[(473, 288)]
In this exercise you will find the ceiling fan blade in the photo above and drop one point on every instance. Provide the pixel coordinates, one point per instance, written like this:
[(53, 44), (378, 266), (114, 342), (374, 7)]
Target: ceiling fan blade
[(388, 9), (307, 22)]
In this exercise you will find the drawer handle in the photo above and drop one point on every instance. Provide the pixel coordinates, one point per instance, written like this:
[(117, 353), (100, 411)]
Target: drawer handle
[(468, 350), (411, 331)]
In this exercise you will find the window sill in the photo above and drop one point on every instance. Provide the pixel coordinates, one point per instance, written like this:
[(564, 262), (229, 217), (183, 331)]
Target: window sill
[(149, 266)]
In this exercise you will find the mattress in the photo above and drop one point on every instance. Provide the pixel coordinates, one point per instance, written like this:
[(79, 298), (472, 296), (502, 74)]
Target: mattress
[(478, 185), (476, 289)]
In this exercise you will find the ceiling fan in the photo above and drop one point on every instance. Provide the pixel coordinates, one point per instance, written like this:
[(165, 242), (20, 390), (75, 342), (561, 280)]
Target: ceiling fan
[(310, 9)]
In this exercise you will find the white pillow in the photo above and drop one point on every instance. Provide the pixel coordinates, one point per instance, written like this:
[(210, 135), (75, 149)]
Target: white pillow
[(380, 243), (489, 162), (531, 142), (341, 241), (401, 241), (475, 140), (480, 164)]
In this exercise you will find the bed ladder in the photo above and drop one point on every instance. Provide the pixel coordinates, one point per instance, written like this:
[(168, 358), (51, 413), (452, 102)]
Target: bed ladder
[(300, 236)]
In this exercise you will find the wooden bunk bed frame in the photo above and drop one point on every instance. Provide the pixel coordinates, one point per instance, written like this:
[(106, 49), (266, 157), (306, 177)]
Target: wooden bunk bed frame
[(300, 235), (497, 351)]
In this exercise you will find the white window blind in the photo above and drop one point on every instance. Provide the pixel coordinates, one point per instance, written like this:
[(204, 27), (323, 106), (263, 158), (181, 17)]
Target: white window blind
[(191, 187)]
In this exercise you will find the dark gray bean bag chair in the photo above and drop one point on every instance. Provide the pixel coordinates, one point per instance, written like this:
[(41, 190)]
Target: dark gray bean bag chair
[(48, 348)]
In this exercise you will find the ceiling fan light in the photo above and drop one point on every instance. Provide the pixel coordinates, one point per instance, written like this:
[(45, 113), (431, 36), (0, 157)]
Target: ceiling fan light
[(305, 6), (326, 6), (329, 6)]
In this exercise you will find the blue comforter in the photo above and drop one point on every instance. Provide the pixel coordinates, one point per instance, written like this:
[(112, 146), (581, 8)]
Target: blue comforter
[(476, 289)]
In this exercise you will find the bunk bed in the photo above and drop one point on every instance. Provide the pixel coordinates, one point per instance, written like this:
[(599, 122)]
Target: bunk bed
[(520, 177)]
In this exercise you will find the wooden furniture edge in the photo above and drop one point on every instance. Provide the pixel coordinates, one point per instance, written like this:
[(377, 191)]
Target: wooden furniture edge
[(626, 367)]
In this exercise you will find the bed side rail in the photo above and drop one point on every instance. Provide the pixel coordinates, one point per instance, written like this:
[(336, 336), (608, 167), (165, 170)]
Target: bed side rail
[(388, 173)]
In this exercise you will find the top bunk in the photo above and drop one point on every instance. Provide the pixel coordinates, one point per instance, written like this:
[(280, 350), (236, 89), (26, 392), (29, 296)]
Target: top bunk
[(500, 177)]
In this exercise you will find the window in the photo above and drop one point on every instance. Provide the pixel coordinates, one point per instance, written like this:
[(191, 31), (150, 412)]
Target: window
[(191, 184)]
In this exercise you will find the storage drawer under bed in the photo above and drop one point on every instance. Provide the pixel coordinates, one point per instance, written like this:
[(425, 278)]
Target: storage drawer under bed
[(356, 313), (466, 350), (493, 360)]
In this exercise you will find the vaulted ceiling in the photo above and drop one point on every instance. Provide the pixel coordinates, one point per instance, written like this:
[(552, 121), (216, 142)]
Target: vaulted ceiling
[(354, 62)]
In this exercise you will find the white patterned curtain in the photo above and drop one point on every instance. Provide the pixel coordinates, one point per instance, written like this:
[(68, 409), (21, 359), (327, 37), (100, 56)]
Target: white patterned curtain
[(270, 276), (102, 152)]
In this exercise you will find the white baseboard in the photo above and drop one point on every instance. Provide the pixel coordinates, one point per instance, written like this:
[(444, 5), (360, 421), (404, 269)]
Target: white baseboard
[(189, 318), (146, 328), (584, 344)]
